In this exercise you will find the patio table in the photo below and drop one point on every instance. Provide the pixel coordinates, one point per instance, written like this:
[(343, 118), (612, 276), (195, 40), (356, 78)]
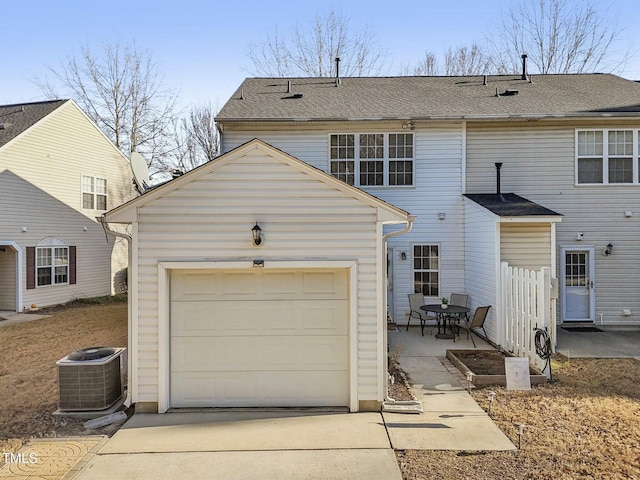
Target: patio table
[(444, 316)]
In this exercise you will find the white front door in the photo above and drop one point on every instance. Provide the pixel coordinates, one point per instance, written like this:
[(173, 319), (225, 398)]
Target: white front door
[(578, 277)]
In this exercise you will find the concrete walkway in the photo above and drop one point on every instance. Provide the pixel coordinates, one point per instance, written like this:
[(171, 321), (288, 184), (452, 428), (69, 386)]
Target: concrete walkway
[(452, 420), (11, 318), (251, 444), (609, 343)]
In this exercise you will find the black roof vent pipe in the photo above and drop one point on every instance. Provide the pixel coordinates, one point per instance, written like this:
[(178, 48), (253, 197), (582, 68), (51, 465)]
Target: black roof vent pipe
[(498, 192), (524, 66), (338, 81)]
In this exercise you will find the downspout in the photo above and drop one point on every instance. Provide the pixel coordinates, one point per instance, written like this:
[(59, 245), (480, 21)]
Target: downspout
[(105, 226), (410, 220)]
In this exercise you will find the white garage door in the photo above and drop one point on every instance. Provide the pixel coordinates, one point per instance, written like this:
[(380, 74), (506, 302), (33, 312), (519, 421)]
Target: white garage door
[(259, 337)]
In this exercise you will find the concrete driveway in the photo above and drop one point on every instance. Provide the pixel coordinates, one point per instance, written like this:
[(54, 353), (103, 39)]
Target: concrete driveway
[(270, 444)]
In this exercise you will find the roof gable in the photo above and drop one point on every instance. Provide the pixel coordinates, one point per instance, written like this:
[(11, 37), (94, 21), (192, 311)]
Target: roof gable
[(18, 118), (387, 213), (369, 98)]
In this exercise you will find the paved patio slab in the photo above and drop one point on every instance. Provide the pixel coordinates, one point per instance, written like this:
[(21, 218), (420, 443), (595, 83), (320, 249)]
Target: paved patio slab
[(278, 465), (248, 430)]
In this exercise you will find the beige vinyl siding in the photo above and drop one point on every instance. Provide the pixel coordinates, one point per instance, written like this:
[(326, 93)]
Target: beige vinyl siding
[(438, 187), (481, 267), (525, 245), (8, 292), (41, 179), (539, 164), (43, 216), (55, 153), (301, 218)]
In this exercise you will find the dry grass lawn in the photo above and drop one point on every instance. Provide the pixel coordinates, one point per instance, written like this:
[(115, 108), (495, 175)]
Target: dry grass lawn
[(587, 425), (28, 372)]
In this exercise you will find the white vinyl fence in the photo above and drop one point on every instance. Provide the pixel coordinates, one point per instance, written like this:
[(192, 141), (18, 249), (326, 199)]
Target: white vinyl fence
[(526, 305)]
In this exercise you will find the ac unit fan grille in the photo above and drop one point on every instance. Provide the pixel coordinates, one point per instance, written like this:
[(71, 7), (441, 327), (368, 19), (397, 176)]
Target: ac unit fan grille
[(89, 386)]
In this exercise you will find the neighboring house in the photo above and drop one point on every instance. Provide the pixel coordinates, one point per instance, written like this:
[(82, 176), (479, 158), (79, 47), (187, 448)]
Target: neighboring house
[(257, 281), (570, 149), (58, 172)]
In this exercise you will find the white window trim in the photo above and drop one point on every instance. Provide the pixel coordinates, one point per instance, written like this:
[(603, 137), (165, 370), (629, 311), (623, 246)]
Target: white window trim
[(51, 244), (439, 270), (385, 160), (605, 157), (94, 193)]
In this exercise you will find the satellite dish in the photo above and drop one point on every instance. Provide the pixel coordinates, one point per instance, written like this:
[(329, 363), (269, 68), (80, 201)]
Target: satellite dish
[(140, 172)]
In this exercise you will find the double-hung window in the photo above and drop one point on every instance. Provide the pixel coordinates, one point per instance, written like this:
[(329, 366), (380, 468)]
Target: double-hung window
[(426, 270), (94, 193), (607, 156), (372, 159), (52, 265)]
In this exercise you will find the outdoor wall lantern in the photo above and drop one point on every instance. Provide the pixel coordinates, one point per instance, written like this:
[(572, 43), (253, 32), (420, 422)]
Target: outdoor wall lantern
[(609, 250), (403, 255), (258, 238)]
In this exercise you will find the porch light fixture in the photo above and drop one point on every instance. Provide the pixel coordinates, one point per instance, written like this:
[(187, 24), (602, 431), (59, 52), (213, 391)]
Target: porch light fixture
[(609, 250), (258, 238), (403, 255)]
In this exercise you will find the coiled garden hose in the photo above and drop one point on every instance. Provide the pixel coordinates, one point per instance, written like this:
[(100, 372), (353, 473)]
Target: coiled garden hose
[(543, 348)]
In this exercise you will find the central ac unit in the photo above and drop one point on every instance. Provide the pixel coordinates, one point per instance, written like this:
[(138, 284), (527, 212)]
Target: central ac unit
[(90, 379)]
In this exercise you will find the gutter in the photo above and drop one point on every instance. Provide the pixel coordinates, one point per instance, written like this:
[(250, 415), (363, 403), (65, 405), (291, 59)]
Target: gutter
[(389, 403), (475, 117), (103, 221)]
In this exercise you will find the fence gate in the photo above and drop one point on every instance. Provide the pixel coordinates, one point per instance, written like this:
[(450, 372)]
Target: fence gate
[(526, 305)]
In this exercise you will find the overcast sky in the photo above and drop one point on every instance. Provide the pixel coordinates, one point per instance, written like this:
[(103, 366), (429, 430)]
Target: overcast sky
[(201, 46)]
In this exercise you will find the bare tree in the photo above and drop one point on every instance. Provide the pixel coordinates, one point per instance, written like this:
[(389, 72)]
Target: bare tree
[(428, 66), (195, 138), (459, 61), (120, 89), (559, 36), (310, 51), (204, 132), (466, 61)]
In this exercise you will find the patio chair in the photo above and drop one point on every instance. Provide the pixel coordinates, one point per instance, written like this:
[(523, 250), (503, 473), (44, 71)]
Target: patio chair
[(476, 322), (416, 300), (459, 299)]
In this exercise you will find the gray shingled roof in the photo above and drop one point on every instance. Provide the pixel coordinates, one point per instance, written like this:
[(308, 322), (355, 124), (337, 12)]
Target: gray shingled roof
[(15, 119), (267, 99), (510, 205)]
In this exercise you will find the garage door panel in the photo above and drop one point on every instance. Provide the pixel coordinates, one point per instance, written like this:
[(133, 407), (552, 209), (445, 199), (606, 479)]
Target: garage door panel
[(259, 389), (259, 337), (218, 354), (327, 317), (257, 285)]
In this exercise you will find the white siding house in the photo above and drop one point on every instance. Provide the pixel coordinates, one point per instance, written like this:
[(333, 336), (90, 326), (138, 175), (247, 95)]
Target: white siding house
[(570, 144), (218, 321), (58, 172)]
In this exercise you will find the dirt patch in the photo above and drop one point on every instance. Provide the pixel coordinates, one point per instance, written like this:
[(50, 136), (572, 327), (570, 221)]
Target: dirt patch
[(484, 362), (584, 426), (28, 374)]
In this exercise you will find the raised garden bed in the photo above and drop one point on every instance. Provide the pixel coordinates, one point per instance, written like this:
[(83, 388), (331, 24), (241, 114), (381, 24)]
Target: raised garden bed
[(487, 367)]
